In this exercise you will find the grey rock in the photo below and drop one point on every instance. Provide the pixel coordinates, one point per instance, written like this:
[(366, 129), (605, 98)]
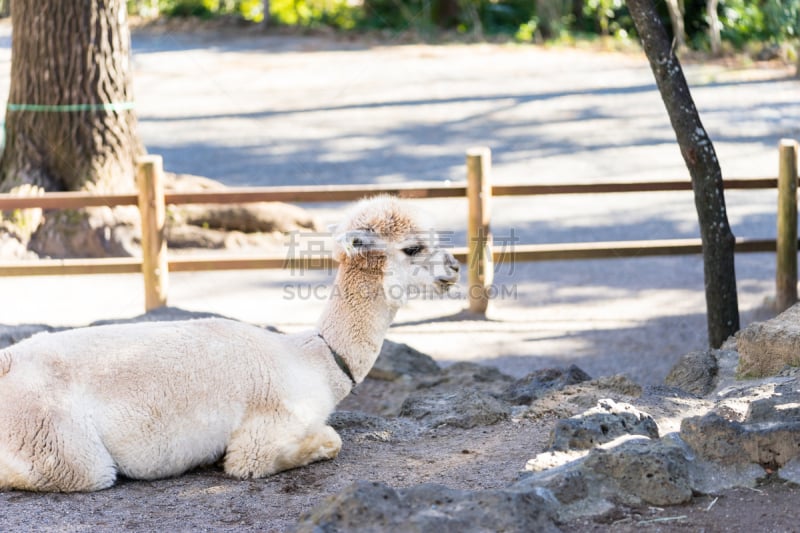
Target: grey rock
[(535, 384), (264, 217), (618, 383), (631, 470), (601, 424), (709, 477), (784, 407), (169, 314), (567, 483), (398, 359), (666, 391), (342, 420), (366, 506), (463, 409), (466, 375), (161, 314), (180, 236), (11, 335), (695, 372), (359, 426), (643, 471), (254, 217), (791, 471), (88, 232), (765, 348), (714, 438), (578, 497)]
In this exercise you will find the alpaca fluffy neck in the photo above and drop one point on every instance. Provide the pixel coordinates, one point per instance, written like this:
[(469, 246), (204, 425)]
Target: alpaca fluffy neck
[(356, 319)]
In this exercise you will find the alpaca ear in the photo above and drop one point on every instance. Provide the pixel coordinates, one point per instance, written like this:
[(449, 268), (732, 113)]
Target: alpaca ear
[(358, 242)]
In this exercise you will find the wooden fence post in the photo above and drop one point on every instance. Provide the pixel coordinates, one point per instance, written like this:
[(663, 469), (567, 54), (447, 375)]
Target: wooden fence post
[(786, 247), (479, 238), (153, 211)]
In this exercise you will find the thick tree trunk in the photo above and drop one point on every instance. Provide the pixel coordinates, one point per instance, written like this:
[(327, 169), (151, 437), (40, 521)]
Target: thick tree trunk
[(701, 160), (70, 123)]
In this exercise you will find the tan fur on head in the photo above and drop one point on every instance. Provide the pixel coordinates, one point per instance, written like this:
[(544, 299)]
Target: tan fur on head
[(375, 222), (386, 237)]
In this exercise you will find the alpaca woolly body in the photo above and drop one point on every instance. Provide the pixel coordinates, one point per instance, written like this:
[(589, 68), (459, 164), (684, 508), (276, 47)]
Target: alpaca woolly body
[(124, 390), (155, 399)]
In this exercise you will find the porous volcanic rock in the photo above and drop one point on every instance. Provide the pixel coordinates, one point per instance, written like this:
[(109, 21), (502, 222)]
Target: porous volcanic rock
[(601, 424), (765, 348), (372, 506), (397, 359), (696, 372), (462, 409), (535, 384)]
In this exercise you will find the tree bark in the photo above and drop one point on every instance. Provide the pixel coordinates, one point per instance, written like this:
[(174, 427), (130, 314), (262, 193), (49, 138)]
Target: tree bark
[(70, 123), (714, 27), (675, 8), (265, 6), (701, 161)]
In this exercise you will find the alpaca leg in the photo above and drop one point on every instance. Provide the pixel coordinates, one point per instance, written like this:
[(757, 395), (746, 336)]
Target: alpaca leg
[(320, 445), (260, 448), (42, 454)]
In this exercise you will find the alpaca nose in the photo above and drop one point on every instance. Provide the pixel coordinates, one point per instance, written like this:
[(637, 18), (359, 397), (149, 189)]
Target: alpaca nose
[(452, 263), (451, 269)]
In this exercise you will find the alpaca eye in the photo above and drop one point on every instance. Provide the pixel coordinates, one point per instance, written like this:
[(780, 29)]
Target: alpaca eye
[(413, 250)]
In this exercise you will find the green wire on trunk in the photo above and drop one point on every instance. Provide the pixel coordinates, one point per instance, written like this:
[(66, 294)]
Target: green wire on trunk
[(71, 108)]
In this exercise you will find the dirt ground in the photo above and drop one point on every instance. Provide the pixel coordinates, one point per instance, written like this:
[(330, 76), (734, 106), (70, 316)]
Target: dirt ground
[(401, 455), (257, 110)]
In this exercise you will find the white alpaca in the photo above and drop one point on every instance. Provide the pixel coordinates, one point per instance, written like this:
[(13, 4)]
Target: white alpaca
[(151, 400)]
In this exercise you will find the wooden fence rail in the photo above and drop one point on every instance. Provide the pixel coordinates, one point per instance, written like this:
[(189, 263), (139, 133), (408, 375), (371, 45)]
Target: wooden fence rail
[(346, 193), (478, 256)]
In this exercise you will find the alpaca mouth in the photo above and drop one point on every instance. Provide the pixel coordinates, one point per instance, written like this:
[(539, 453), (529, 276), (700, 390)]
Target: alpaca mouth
[(444, 283)]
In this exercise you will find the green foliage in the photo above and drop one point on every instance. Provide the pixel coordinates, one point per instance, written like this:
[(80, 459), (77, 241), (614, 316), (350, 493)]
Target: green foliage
[(247, 9), (313, 13), (252, 10), (743, 21), (191, 8), (782, 19), (527, 32), (609, 18), (507, 16), (765, 21)]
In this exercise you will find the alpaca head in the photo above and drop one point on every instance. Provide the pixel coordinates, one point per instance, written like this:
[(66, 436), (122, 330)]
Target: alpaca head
[(386, 237)]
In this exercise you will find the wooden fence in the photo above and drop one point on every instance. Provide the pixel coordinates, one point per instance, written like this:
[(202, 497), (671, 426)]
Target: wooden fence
[(478, 255)]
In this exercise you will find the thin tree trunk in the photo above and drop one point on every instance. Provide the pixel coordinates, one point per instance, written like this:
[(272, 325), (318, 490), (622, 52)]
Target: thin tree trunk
[(69, 124), (701, 161), (265, 22), (714, 27), (675, 8)]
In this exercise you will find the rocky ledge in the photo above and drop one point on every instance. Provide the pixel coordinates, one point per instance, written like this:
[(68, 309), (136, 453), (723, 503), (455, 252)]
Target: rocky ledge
[(711, 427)]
